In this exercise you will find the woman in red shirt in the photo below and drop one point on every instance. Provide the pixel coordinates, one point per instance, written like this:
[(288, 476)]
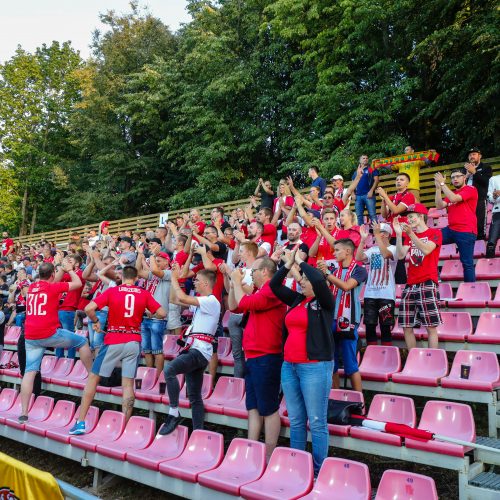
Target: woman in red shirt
[(349, 229), (306, 373)]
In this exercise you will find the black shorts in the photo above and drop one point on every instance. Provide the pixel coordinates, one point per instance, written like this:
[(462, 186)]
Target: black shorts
[(262, 383), (379, 311)]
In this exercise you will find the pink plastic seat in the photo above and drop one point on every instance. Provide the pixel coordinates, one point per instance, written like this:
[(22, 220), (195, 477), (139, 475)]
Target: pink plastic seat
[(341, 479), (15, 409), (387, 408), (228, 359), (223, 346), (170, 346), (283, 412), (496, 301), (423, 367), (61, 370), (398, 333), (77, 376), (448, 252), (408, 485), (162, 448), (435, 213), (12, 372), (289, 475), (484, 371), (228, 391), (47, 365), (12, 334), (343, 395), (5, 358), (204, 451), (7, 399), (61, 415), (441, 222), (138, 434), (445, 291), (40, 411), (61, 434), (456, 326), (237, 409), (488, 269), (479, 249), (487, 330), (225, 322), (244, 462), (148, 379), (452, 270), (472, 295), (206, 390), (165, 399), (380, 362), (109, 428), (448, 419)]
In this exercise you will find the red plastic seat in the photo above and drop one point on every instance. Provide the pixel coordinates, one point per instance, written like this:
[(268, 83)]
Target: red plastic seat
[(244, 462), (289, 475), (343, 395), (492, 303), (148, 379), (138, 434), (380, 362), (387, 408), (7, 399), (445, 291), (456, 326), (448, 419), (223, 346), (488, 269), (61, 415), (228, 391), (12, 372), (487, 330), (484, 371), (423, 367), (408, 485), (15, 409), (204, 451), (452, 270), (448, 252), (40, 411), (472, 295), (206, 390), (61, 434), (170, 346), (162, 448), (109, 428), (12, 334), (61, 370), (341, 479)]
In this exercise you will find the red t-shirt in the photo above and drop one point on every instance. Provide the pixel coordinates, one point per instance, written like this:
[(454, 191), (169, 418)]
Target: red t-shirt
[(127, 304), (42, 319), (219, 278), (6, 244), (296, 322), (180, 258), (423, 268), (264, 329), (71, 299), (269, 234), (462, 215), (407, 199), (352, 233), (308, 236)]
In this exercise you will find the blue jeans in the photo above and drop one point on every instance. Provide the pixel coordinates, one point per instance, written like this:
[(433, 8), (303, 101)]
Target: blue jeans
[(363, 201), (19, 319), (67, 320), (306, 387), (152, 332), (97, 339), (465, 246)]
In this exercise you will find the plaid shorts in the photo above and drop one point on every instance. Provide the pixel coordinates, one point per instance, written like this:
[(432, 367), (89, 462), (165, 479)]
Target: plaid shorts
[(420, 305)]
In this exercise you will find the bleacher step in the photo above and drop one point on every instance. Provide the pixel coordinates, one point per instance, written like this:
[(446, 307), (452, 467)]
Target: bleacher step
[(488, 441), (487, 480)]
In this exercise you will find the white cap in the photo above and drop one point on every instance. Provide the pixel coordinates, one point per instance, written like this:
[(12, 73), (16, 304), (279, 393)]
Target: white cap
[(337, 178), (386, 227)]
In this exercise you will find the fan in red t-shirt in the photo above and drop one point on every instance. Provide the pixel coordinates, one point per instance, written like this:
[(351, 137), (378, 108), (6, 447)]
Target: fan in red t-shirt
[(420, 302), (7, 244), (127, 304)]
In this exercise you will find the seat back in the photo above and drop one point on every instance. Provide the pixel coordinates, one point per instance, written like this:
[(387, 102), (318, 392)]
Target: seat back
[(488, 268), (245, 453), (91, 419), (63, 412), (206, 388), (447, 251), (224, 346), (345, 478), (63, 367), (287, 463), (170, 346), (47, 365), (229, 388), (79, 372), (42, 407), (474, 291), (452, 270), (111, 424), (407, 485), (172, 444), (7, 398), (148, 376), (431, 362), (204, 447), (455, 322), (346, 395), (445, 291), (390, 408), (12, 333), (16, 407), (449, 419), (399, 290), (225, 321), (483, 365), (5, 357), (381, 358), (139, 432), (479, 248), (487, 326)]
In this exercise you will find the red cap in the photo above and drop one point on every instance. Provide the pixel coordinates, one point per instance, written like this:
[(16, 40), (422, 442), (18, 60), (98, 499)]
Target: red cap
[(417, 208), (104, 223), (164, 255)]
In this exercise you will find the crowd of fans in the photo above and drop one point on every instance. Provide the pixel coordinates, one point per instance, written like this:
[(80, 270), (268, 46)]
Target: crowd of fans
[(289, 267)]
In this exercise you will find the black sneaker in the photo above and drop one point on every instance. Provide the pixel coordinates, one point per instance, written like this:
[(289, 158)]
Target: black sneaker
[(22, 419), (170, 424)]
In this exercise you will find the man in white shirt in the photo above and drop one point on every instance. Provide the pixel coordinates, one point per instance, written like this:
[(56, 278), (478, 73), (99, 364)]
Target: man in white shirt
[(380, 291), (494, 197), (198, 348)]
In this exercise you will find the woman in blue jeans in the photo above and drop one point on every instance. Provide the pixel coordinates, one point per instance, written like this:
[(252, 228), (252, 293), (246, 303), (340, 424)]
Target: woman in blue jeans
[(306, 373)]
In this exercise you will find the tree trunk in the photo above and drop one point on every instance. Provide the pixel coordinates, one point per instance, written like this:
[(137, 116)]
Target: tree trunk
[(22, 230), (33, 220)]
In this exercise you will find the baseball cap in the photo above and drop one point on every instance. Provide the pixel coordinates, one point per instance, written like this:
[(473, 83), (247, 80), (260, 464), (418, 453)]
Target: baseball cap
[(23, 283), (337, 178), (104, 223), (164, 255), (153, 240), (474, 150), (417, 208), (128, 239), (385, 227)]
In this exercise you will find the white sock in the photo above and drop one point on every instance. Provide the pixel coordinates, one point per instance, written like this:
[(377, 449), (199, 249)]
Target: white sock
[(173, 411)]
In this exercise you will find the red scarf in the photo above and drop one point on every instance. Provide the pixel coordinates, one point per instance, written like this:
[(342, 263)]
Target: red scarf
[(346, 319)]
